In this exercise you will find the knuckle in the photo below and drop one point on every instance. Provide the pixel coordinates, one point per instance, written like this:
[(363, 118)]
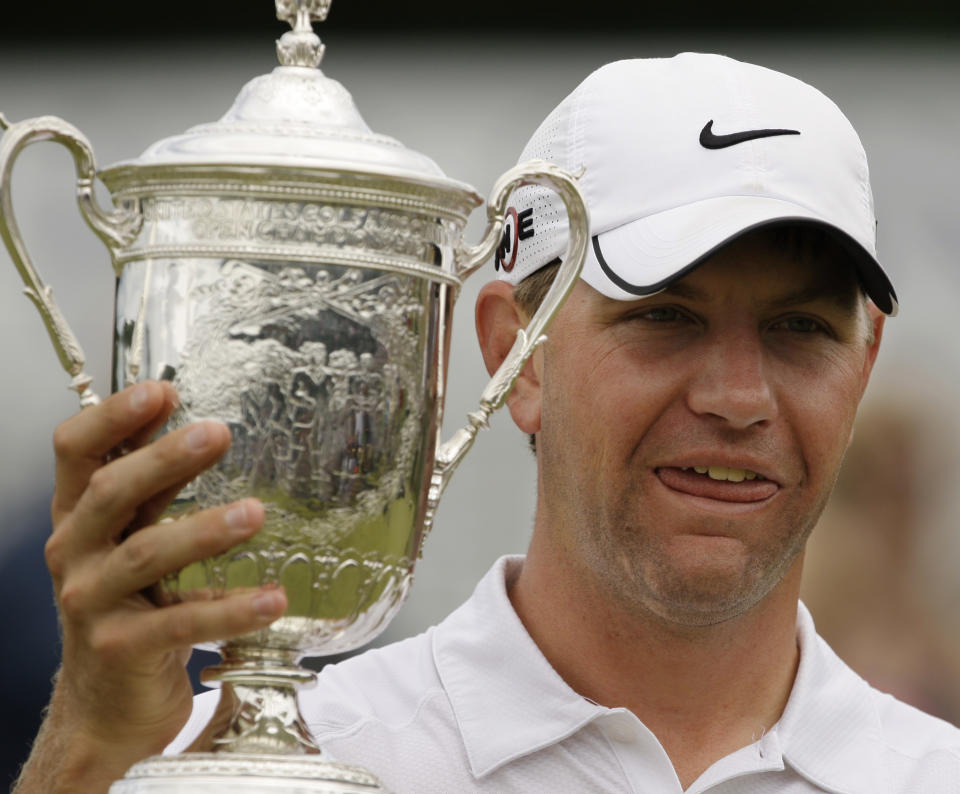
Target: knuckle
[(72, 600), (54, 555), (165, 455), (180, 627), (139, 553), (208, 537), (64, 440), (108, 643), (102, 488)]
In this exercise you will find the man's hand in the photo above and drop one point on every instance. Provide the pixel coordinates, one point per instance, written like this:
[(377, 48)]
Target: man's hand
[(122, 692)]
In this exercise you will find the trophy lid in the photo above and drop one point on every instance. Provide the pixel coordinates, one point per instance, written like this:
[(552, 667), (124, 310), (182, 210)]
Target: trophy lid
[(295, 117)]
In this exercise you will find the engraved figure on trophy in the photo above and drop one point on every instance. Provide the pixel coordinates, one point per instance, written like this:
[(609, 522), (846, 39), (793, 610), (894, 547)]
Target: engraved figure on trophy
[(328, 441), (310, 429), (308, 401)]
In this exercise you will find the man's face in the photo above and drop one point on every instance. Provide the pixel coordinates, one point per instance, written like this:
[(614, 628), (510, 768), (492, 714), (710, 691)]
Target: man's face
[(750, 367)]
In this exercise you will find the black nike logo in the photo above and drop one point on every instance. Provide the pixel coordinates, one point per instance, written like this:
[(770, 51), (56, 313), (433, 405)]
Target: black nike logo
[(711, 141)]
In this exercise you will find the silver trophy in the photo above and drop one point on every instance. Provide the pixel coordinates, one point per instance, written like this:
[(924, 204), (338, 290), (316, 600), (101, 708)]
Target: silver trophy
[(293, 274)]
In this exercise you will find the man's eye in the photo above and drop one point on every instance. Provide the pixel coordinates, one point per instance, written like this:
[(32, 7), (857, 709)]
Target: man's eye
[(801, 325), (662, 314)]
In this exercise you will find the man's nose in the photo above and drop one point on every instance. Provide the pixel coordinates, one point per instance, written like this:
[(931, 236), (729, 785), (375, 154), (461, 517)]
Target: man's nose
[(732, 381)]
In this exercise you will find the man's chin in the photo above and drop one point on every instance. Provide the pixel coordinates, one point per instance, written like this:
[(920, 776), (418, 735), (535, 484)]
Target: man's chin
[(698, 613), (702, 595)]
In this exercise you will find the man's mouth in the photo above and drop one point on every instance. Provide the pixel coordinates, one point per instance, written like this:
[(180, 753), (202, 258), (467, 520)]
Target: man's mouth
[(723, 483)]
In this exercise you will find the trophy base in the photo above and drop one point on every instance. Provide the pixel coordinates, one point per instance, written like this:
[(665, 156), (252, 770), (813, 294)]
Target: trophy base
[(228, 773)]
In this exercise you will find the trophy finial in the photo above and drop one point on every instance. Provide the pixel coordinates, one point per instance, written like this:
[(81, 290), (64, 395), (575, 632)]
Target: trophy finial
[(301, 46)]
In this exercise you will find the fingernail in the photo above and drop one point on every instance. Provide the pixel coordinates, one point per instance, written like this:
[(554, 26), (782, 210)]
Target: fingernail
[(139, 396), (268, 604), (237, 517), (197, 437)]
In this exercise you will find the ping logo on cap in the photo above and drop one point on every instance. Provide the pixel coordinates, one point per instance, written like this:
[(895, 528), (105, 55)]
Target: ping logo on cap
[(517, 226)]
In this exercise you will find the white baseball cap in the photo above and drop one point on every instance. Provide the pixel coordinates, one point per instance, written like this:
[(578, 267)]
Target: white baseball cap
[(682, 155)]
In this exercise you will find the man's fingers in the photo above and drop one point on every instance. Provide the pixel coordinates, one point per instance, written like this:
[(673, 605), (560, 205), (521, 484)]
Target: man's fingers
[(144, 634), (115, 491), (150, 511), (82, 442), (167, 407), (147, 555)]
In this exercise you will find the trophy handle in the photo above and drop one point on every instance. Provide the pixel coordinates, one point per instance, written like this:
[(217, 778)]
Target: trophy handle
[(116, 229), (468, 259)]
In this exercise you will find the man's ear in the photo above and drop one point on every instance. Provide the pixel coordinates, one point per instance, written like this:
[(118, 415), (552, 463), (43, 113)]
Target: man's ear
[(876, 319), (498, 319)]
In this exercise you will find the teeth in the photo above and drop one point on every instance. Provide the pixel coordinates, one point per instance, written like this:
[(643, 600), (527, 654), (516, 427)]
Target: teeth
[(718, 472), (736, 475), (727, 473)]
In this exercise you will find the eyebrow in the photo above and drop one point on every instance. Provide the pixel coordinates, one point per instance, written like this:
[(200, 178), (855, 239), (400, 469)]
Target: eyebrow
[(835, 291), (681, 290)]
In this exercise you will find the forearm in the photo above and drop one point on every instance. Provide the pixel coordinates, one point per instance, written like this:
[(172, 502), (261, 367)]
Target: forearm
[(67, 758)]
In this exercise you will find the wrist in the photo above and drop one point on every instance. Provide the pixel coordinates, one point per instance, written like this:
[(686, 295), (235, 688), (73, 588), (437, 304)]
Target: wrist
[(64, 760), (68, 756)]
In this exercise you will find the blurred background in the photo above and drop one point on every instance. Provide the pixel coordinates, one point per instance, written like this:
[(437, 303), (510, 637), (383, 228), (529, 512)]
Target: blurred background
[(467, 86)]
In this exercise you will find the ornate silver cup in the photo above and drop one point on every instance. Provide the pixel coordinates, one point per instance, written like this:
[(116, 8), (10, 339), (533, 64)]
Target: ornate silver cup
[(293, 274)]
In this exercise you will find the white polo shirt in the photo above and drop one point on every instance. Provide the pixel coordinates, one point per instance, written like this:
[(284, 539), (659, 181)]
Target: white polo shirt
[(472, 705)]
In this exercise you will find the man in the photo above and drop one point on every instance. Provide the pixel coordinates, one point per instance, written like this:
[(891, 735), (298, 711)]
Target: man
[(690, 412)]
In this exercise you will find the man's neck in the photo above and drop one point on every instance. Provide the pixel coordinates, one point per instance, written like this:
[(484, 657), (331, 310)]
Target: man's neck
[(703, 691)]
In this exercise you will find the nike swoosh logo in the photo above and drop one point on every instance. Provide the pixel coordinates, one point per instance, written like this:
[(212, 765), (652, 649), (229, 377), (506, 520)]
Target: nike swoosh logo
[(709, 140)]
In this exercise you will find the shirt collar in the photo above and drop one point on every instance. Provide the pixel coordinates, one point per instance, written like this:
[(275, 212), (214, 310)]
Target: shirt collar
[(508, 701), (830, 731)]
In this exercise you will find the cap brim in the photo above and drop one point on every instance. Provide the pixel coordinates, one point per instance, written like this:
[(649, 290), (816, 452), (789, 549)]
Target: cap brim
[(643, 257)]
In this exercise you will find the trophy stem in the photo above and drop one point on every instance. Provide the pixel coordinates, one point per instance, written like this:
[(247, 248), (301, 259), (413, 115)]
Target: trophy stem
[(258, 711), (258, 739)]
